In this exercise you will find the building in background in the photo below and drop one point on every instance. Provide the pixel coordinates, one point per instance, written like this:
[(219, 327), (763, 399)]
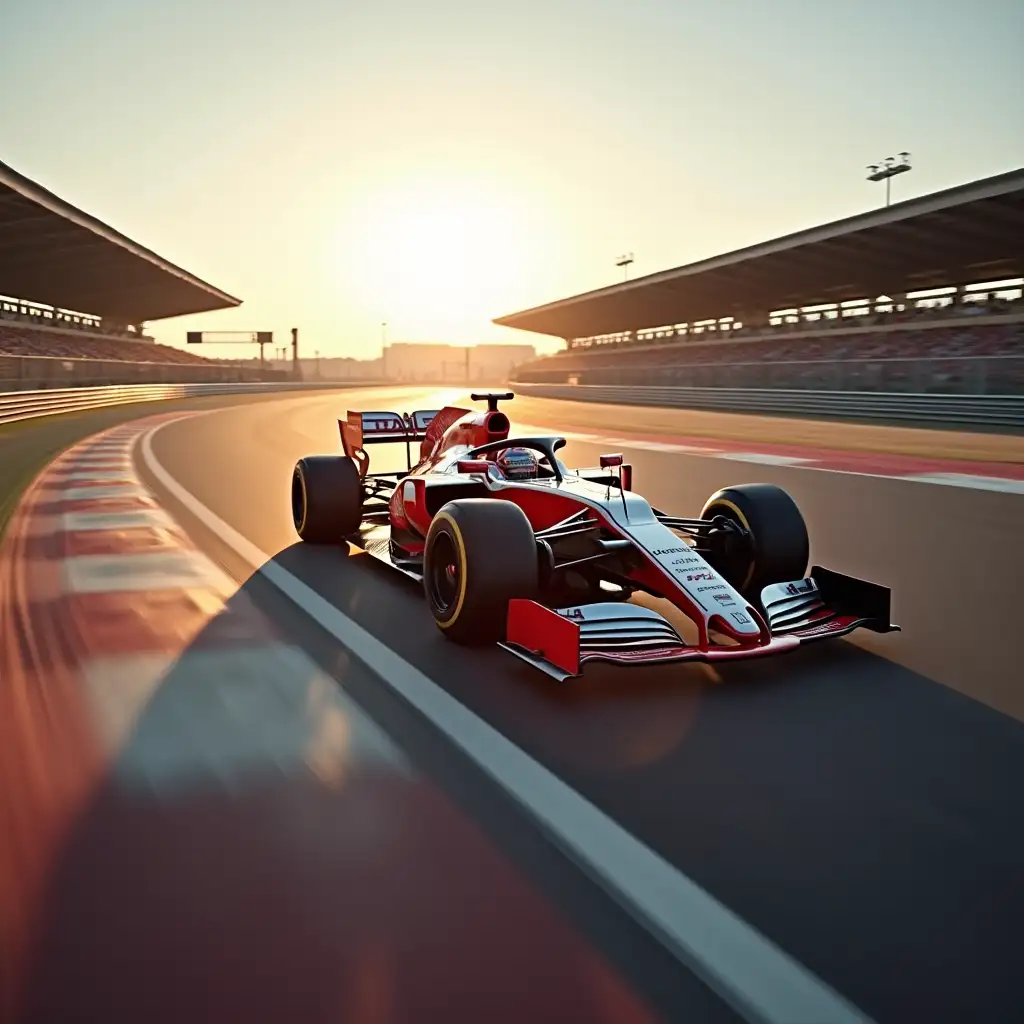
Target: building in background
[(454, 364), (417, 363)]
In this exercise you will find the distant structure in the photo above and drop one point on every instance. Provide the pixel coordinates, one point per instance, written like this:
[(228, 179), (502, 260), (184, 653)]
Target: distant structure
[(887, 170), (452, 364), (421, 363), (75, 296), (952, 239), (61, 265)]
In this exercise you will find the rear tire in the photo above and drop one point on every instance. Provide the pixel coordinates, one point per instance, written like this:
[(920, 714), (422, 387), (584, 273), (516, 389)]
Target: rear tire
[(778, 548), (480, 554), (327, 499)]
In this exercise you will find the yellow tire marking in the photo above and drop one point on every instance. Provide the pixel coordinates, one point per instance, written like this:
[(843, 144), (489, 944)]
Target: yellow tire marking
[(743, 522), (461, 545)]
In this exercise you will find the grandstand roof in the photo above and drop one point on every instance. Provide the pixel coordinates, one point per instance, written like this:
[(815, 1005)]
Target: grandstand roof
[(967, 234), (53, 253)]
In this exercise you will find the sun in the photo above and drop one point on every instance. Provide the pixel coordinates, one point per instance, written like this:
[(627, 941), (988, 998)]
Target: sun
[(438, 259)]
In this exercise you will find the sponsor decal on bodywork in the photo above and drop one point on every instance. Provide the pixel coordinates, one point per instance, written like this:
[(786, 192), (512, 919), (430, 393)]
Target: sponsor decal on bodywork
[(673, 556), (693, 575), (806, 586), (686, 560)]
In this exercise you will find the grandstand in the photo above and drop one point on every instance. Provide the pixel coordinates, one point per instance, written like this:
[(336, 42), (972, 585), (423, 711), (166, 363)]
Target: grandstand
[(26, 339), (851, 305), (57, 261)]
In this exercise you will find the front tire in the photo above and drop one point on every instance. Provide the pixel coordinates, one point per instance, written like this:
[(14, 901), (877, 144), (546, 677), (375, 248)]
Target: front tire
[(327, 498), (480, 554), (777, 548)]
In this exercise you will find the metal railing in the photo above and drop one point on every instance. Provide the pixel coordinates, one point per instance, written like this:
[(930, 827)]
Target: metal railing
[(26, 405), (966, 410), (955, 375), (963, 410), (33, 373), (918, 319)]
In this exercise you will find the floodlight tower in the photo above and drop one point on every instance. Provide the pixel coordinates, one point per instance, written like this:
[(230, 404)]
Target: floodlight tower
[(887, 170), (624, 262)]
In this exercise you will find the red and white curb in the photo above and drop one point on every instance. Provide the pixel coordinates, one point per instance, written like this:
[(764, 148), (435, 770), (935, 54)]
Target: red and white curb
[(134, 668), (986, 476)]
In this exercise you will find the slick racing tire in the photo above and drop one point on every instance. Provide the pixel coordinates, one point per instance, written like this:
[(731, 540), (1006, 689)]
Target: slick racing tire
[(777, 548), (327, 498), (480, 554)]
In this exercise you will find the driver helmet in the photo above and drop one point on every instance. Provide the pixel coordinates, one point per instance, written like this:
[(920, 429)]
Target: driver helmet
[(518, 464)]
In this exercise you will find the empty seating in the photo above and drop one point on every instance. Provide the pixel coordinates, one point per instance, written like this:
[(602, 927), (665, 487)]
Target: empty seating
[(962, 340), (34, 341)]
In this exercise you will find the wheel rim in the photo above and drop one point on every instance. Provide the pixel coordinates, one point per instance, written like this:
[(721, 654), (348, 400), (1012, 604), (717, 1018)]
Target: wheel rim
[(444, 575)]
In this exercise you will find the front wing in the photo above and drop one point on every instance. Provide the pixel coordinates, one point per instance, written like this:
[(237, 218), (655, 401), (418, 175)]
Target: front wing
[(561, 642)]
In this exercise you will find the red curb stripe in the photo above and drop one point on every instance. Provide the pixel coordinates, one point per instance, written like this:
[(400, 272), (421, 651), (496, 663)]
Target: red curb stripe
[(874, 463), (421, 888)]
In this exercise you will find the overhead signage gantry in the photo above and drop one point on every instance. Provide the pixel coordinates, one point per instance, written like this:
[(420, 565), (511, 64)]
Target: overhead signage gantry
[(261, 338)]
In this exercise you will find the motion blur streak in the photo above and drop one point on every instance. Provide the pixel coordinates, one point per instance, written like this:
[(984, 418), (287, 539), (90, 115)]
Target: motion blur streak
[(49, 761), (843, 802), (198, 819), (747, 970)]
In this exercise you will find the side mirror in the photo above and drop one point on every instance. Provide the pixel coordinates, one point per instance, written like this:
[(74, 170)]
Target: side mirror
[(474, 465), (608, 461)]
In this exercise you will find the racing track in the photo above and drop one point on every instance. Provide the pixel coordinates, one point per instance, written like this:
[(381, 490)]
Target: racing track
[(842, 801)]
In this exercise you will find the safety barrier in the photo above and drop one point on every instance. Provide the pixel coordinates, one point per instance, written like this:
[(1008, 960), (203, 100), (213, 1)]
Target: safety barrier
[(964, 410), (26, 405), (953, 375), (33, 373)]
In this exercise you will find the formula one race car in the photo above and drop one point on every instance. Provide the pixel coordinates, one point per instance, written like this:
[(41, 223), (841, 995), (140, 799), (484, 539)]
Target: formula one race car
[(512, 547)]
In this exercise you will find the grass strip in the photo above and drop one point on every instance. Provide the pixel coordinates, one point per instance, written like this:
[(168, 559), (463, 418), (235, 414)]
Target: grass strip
[(28, 446)]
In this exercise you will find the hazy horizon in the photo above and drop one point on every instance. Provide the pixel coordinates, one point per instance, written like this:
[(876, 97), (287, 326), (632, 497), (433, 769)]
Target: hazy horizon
[(336, 167)]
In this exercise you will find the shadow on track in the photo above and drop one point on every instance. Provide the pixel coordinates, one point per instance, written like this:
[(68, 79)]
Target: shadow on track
[(862, 816), (260, 850)]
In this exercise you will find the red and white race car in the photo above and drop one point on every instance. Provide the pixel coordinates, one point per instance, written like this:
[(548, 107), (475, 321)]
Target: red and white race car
[(515, 548)]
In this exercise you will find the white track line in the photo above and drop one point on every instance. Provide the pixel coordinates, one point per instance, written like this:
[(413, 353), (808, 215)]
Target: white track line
[(746, 969), (765, 459), (980, 483), (1006, 485)]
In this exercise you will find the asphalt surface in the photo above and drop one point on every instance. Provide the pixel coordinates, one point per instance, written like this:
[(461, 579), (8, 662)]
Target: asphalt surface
[(204, 882), (856, 802)]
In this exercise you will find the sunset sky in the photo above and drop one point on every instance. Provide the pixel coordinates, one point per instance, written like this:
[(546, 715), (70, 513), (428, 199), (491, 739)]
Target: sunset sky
[(433, 165)]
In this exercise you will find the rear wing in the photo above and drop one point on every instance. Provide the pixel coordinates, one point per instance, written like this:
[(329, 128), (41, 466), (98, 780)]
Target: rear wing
[(365, 428)]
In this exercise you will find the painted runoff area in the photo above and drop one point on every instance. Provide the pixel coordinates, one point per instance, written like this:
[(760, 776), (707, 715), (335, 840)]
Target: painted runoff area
[(165, 736), (745, 968), (1007, 478)]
